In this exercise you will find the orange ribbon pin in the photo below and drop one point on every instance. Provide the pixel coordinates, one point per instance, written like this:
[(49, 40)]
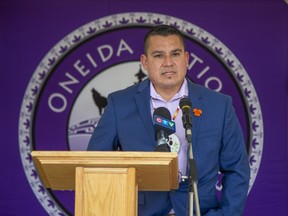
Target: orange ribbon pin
[(197, 112)]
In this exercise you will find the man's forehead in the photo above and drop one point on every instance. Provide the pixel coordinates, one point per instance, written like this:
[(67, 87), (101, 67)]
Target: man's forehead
[(171, 40)]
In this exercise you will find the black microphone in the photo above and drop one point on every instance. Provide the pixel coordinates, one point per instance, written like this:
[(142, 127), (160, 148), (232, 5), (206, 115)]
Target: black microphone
[(163, 127), (185, 105)]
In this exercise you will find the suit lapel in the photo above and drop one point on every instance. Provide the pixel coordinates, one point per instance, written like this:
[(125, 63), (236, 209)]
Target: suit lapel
[(142, 100), (197, 103)]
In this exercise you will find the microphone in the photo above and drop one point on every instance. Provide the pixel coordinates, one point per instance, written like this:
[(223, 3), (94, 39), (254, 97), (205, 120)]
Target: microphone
[(185, 105), (163, 127)]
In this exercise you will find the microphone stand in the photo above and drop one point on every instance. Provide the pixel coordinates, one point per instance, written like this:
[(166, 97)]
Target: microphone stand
[(193, 190)]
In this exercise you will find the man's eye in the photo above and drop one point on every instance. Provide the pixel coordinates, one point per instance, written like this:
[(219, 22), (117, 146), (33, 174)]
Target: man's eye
[(175, 54), (157, 56)]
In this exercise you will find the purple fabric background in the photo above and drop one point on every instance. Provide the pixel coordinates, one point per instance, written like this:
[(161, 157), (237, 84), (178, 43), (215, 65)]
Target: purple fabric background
[(255, 31)]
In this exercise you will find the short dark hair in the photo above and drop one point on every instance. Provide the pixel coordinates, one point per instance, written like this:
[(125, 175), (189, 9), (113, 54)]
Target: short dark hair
[(162, 30)]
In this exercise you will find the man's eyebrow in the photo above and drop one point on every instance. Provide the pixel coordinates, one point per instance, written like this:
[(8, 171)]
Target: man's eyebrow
[(157, 52), (177, 50), (173, 51)]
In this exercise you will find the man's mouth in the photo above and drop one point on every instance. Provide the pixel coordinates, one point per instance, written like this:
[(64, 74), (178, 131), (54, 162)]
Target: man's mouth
[(167, 73)]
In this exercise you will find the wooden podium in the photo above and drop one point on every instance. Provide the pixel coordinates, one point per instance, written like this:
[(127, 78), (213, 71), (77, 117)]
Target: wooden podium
[(107, 183)]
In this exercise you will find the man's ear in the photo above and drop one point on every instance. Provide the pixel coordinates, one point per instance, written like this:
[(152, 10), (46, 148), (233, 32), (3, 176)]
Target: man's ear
[(187, 56), (143, 60)]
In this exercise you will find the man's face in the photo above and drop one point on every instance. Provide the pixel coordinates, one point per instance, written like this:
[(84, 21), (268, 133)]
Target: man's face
[(166, 62)]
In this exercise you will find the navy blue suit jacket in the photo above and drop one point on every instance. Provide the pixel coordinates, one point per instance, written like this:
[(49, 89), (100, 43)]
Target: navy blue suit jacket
[(217, 146)]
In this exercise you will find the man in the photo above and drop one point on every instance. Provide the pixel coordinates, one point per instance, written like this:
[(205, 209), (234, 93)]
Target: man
[(217, 137)]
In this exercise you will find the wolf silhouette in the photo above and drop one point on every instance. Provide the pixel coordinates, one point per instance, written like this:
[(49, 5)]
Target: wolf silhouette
[(99, 100)]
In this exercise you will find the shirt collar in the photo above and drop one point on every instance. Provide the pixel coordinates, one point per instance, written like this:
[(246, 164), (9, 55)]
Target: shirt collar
[(183, 92)]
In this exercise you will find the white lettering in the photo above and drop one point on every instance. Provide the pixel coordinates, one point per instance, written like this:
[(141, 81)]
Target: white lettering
[(208, 82), (91, 60), (194, 61), (62, 99), (217, 80), (81, 68), (123, 46), (203, 72), (108, 48), (72, 80), (57, 101)]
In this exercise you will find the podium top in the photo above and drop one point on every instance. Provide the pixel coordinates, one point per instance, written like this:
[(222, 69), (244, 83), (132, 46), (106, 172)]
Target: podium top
[(155, 171)]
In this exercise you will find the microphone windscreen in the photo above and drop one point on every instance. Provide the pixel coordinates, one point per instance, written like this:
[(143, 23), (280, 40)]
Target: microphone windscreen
[(162, 121), (163, 112), (185, 103)]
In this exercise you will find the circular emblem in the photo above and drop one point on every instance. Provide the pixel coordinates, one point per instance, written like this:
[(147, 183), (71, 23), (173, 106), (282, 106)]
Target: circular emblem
[(159, 120), (174, 143), (68, 90)]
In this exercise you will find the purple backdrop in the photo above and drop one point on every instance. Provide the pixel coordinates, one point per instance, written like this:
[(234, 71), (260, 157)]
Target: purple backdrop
[(255, 31)]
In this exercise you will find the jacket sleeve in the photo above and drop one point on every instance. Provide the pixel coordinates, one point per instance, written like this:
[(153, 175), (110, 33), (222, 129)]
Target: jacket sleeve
[(104, 137)]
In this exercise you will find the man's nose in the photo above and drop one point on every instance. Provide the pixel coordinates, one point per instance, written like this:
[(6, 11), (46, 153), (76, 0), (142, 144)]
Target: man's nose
[(168, 61)]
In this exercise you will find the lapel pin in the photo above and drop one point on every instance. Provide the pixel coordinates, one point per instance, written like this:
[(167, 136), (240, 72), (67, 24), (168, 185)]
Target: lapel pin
[(197, 112)]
